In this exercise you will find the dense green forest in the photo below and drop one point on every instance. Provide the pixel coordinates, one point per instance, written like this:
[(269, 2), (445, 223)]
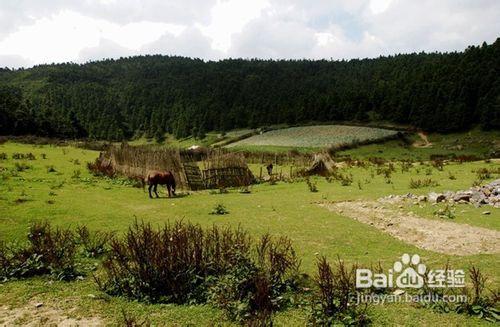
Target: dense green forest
[(151, 95)]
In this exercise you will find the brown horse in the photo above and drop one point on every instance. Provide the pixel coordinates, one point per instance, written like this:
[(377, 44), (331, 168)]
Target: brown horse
[(153, 178)]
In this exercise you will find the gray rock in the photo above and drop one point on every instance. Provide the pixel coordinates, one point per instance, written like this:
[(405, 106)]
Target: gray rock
[(462, 196), (436, 197), (478, 198), (422, 198)]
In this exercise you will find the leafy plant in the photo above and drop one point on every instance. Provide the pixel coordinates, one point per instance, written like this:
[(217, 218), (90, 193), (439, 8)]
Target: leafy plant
[(21, 166), (23, 156), (51, 169), (475, 300), (183, 263), (483, 174), (94, 243), (219, 209), (419, 183), (447, 212), (48, 251), (333, 302), (76, 174), (311, 185)]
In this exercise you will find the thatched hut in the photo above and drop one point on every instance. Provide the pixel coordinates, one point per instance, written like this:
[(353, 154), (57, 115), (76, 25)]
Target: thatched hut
[(220, 169), (226, 170), (323, 165)]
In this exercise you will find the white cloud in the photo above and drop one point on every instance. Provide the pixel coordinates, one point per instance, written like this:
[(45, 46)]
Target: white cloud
[(14, 61), (105, 49), (358, 29), (268, 38), (190, 43), (52, 39), (229, 17), (63, 36), (379, 6), (61, 30), (426, 25)]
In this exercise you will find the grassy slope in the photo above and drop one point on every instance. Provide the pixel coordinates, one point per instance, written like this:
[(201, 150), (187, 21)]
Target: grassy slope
[(211, 139), (313, 136), (474, 142), (286, 209)]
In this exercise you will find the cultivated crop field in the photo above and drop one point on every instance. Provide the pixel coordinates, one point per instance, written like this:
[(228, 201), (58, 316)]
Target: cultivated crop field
[(52, 184), (315, 136)]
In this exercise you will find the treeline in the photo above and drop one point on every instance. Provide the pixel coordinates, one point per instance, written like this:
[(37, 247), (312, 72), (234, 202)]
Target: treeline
[(151, 95)]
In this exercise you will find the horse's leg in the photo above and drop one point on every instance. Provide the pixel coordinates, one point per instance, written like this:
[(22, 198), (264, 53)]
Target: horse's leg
[(173, 187), (156, 187), (149, 190), (168, 190)]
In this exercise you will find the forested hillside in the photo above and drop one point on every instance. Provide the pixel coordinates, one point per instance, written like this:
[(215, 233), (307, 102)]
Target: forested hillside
[(117, 99)]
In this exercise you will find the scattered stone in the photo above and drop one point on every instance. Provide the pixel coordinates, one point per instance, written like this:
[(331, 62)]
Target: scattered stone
[(39, 305), (436, 197), (462, 196), (486, 212), (488, 194)]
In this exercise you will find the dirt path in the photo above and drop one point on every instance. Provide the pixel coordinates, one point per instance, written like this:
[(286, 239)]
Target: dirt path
[(424, 143), (433, 235)]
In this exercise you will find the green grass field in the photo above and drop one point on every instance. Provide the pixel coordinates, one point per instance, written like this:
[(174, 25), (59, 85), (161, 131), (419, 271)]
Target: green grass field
[(319, 136), (210, 139), (71, 196), (475, 142)]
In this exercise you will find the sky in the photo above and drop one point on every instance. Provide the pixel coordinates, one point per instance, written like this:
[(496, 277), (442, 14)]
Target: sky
[(51, 31)]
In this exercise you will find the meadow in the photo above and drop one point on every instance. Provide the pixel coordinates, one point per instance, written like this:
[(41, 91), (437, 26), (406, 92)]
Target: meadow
[(54, 185), (319, 136)]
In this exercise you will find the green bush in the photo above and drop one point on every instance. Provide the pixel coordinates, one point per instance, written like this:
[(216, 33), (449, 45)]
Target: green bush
[(94, 243), (478, 302), (183, 263), (219, 209), (334, 301), (21, 166), (419, 183), (48, 251), (311, 185)]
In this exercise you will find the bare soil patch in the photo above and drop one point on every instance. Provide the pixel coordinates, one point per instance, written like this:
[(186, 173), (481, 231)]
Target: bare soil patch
[(42, 315), (433, 235), (424, 142)]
